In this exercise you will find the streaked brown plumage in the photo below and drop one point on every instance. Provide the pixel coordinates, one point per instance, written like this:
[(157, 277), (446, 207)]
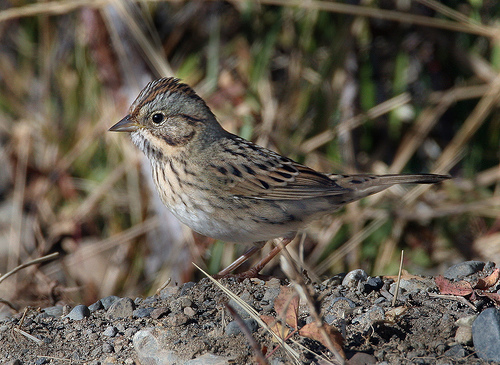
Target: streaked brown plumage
[(225, 187)]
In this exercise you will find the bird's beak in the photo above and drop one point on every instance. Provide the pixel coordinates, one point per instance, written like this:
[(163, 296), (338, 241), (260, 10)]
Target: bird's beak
[(125, 125)]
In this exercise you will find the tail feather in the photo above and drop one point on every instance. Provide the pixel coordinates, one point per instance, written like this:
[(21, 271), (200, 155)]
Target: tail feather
[(363, 185)]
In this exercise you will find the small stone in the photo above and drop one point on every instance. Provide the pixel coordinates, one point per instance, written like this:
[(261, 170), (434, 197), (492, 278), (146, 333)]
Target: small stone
[(372, 284), (41, 361), (168, 292), (160, 312), (190, 312), (463, 269), (466, 321), (186, 288), (150, 345), (464, 335), (352, 278), (486, 335), (149, 300), (456, 351), (107, 348), (110, 331), (339, 304), (96, 306), (129, 332), (245, 297), (55, 311), (413, 286), (142, 312), (122, 308), (179, 304), (176, 320), (334, 281), (14, 362), (273, 283), (78, 313), (233, 327), (108, 301), (360, 358), (208, 359), (374, 314)]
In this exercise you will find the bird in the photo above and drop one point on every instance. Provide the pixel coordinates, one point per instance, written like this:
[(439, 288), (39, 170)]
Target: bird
[(230, 189)]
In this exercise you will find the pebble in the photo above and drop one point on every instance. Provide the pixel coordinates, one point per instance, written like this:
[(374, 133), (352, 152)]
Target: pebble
[(245, 296), (190, 312), (129, 332), (177, 320), (55, 311), (186, 288), (160, 312), (107, 348), (96, 306), (333, 281), (367, 319), (208, 359), (121, 308), (233, 328), (353, 277), (456, 351), (41, 361), (464, 335), (267, 301), (150, 344), (177, 305), (361, 358), (108, 301), (110, 331), (142, 312), (337, 308), (168, 292), (486, 335), (463, 269), (79, 312), (148, 300), (413, 285), (372, 284)]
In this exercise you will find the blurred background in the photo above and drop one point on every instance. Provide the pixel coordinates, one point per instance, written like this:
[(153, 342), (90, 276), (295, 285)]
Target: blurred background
[(384, 86)]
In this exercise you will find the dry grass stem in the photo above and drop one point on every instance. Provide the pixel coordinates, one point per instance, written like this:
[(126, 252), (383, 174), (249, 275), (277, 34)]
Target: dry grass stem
[(29, 263), (396, 292)]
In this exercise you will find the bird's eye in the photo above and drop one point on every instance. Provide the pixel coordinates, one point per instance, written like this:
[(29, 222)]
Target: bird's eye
[(157, 118)]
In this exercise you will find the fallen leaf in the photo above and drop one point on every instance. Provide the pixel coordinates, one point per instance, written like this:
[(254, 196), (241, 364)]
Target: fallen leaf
[(488, 281), (493, 296), (312, 331), (286, 306), (445, 286), (276, 327), (393, 314)]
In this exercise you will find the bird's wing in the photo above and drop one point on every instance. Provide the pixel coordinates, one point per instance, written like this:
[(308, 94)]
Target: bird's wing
[(252, 171)]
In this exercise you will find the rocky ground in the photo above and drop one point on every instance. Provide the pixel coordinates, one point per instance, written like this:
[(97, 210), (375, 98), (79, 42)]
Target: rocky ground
[(444, 320)]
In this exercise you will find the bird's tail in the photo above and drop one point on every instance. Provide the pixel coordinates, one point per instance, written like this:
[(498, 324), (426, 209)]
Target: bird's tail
[(363, 185)]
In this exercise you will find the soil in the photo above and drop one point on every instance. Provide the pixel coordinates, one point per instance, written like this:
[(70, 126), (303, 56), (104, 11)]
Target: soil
[(192, 322)]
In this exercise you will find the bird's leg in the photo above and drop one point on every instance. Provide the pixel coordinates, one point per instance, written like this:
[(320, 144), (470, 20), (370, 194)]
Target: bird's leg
[(254, 271), (240, 260)]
